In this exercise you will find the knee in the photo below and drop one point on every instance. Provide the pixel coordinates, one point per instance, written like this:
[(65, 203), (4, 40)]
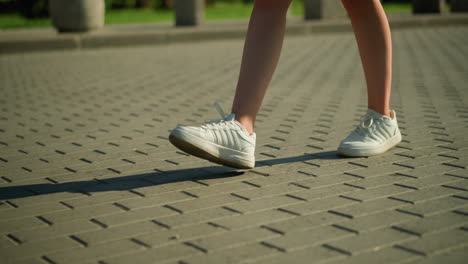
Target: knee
[(352, 5), (272, 5), (348, 4)]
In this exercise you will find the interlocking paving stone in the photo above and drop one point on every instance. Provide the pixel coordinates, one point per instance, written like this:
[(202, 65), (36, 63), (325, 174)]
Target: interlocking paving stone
[(433, 180), (87, 174), (176, 235), (317, 254), (84, 212), (124, 217), (155, 255), (433, 223), (253, 219), (269, 190), (234, 238), (20, 224), (369, 241), (56, 230), (374, 221), (378, 192), (96, 252), (458, 255), (264, 204), (233, 255), (111, 233), (38, 248), (308, 238), (206, 202), (437, 242), (435, 206), (318, 205), (379, 255), (195, 217), (305, 222), (425, 194)]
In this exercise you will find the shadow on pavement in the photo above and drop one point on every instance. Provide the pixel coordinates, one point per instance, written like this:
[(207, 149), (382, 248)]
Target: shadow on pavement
[(130, 182)]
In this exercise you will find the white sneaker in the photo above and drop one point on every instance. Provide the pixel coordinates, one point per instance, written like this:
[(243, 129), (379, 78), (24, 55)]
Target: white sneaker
[(224, 141), (375, 134)]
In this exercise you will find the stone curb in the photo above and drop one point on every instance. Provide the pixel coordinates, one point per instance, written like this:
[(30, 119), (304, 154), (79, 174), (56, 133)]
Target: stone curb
[(23, 42)]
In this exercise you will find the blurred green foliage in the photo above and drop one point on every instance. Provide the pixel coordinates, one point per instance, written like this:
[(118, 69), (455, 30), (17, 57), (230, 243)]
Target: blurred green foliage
[(33, 8), (39, 8)]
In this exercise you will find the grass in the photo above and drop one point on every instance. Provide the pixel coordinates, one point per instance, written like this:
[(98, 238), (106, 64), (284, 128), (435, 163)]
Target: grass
[(219, 11)]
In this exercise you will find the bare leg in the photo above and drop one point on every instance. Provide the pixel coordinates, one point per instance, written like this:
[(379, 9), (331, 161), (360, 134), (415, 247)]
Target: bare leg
[(372, 32), (262, 49)]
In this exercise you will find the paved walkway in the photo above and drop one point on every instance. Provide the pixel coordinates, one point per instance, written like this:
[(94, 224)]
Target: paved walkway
[(87, 174)]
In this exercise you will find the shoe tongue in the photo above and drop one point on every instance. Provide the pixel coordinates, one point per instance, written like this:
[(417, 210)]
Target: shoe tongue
[(230, 117), (376, 114)]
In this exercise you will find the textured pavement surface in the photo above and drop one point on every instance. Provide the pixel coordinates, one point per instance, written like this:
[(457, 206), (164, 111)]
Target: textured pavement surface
[(87, 174)]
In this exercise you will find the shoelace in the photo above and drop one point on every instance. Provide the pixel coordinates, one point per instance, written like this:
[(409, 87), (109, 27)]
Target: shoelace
[(366, 122), (218, 121)]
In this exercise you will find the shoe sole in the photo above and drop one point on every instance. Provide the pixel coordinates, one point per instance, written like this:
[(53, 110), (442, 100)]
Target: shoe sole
[(196, 151), (392, 142)]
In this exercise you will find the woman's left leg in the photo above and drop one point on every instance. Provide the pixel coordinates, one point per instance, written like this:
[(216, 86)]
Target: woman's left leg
[(378, 130), (372, 33)]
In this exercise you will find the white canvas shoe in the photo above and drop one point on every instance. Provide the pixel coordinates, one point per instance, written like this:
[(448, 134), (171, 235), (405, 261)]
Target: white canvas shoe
[(224, 141), (375, 134)]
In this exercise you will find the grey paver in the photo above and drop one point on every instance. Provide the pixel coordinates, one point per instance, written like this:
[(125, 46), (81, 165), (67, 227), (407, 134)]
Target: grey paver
[(138, 215), (80, 254), (117, 232), (56, 230), (317, 253), (369, 207), (305, 222), (437, 242), (195, 217), (378, 192), (309, 238), (433, 223), (234, 255), (205, 202), (381, 255), (375, 221), (455, 256), (20, 224), (253, 219), (371, 240), (425, 194), (23, 251), (270, 190), (267, 203), (156, 255), (435, 206), (238, 237), (176, 235), (319, 205)]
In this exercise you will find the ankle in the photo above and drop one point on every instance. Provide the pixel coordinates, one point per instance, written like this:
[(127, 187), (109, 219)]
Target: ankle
[(246, 122), (382, 110)]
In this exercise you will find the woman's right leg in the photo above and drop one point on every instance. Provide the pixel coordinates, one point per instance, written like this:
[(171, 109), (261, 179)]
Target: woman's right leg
[(261, 54), (231, 141)]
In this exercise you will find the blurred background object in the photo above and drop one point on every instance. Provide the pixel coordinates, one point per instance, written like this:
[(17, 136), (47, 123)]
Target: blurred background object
[(77, 15)]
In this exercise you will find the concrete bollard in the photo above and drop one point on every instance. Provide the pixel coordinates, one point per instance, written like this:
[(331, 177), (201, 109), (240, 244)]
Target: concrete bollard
[(428, 6), (323, 9), (189, 12), (459, 6), (77, 15)]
